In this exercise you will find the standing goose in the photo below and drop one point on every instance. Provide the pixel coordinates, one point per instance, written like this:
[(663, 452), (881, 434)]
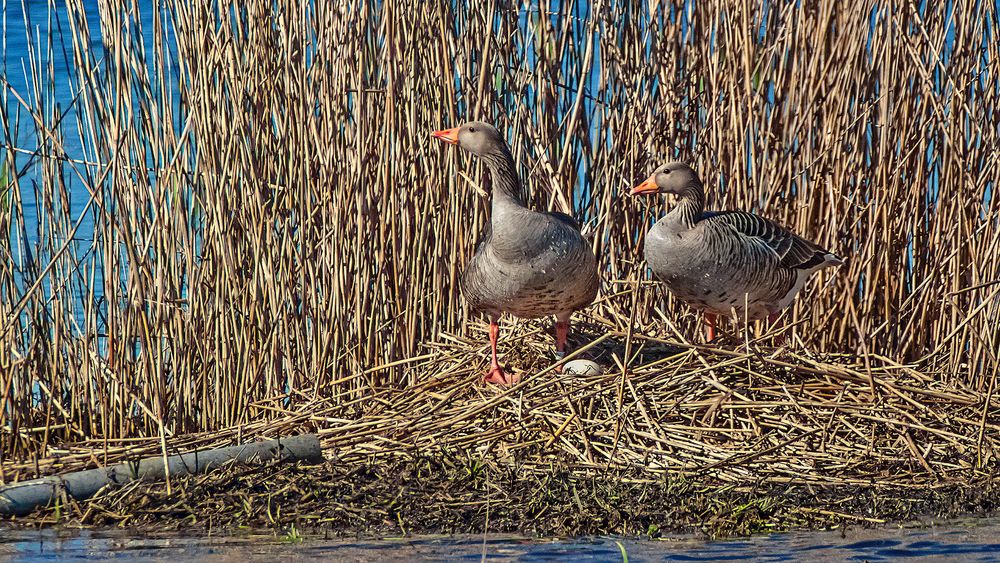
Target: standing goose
[(528, 263), (725, 261)]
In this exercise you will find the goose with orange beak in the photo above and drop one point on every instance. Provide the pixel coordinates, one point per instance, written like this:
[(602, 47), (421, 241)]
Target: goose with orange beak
[(724, 262), (527, 263)]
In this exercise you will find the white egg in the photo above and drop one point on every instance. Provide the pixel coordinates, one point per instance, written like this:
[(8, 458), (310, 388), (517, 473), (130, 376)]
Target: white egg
[(582, 367)]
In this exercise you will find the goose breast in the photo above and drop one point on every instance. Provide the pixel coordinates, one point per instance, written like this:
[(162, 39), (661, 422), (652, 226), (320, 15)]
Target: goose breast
[(531, 265)]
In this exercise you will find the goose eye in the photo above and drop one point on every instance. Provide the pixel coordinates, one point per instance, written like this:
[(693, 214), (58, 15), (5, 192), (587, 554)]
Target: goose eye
[(472, 129)]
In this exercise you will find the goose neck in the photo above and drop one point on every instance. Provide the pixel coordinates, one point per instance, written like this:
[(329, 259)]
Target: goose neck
[(506, 185), (691, 205)]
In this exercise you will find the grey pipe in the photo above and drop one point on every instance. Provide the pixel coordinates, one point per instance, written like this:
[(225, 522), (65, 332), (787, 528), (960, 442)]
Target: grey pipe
[(22, 498)]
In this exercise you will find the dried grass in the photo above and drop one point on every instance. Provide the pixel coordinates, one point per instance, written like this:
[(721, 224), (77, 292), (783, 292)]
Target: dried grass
[(717, 439), (277, 243), (717, 414)]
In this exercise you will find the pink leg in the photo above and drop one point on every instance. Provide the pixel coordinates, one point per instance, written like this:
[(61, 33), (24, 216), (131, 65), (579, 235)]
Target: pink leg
[(710, 321), (562, 331), (496, 374)]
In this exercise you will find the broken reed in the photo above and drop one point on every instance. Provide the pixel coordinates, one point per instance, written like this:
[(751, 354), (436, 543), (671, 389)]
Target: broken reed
[(272, 218)]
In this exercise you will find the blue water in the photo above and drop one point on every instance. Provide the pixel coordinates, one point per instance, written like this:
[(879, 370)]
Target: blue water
[(35, 23), (32, 21), (965, 541)]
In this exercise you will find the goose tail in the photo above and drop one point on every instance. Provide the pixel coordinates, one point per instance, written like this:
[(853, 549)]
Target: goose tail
[(831, 259)]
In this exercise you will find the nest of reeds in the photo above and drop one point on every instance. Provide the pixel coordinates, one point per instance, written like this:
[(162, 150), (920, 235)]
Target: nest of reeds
[(686, 434)]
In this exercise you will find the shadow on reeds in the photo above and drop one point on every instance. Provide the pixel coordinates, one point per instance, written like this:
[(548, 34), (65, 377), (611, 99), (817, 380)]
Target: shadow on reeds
[(610, 352)]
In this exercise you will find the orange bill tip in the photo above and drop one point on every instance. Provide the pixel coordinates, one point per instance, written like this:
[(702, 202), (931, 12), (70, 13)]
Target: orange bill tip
[(449, 136), (647, 187)]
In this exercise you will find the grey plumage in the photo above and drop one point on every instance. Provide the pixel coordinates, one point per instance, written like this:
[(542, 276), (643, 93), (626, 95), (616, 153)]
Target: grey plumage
[(532, 268), (527, 263), (723, 262)]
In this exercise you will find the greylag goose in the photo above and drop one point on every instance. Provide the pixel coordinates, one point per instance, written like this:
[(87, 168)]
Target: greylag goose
[(725, 262), (527, 263)]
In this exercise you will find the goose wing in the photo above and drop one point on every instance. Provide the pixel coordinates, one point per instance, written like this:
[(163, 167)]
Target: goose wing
[(792, 251), (569, 220)]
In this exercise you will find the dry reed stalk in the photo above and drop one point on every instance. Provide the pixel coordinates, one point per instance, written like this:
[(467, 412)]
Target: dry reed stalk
[(274, 223), (709, 414)]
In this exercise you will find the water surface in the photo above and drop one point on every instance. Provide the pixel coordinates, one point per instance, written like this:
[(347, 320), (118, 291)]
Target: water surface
[(970, 540)]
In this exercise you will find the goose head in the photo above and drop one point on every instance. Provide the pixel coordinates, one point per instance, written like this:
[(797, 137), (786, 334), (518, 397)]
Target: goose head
[(475, 136), (671, 178)]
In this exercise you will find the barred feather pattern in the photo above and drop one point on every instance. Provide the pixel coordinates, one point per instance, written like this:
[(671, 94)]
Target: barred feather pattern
[(731, 261)]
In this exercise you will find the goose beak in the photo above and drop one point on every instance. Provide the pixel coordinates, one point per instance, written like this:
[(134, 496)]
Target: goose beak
[(647, 187), (449, 136)]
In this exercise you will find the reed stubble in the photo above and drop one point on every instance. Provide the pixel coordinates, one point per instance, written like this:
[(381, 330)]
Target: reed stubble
[(274, 229)]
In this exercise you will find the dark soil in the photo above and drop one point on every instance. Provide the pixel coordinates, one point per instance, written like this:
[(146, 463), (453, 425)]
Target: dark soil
[(447, 493)]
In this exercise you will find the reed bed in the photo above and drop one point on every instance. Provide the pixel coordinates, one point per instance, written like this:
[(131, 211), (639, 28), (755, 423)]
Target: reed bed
[(687, 409), (275, 241), (726, 440)]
